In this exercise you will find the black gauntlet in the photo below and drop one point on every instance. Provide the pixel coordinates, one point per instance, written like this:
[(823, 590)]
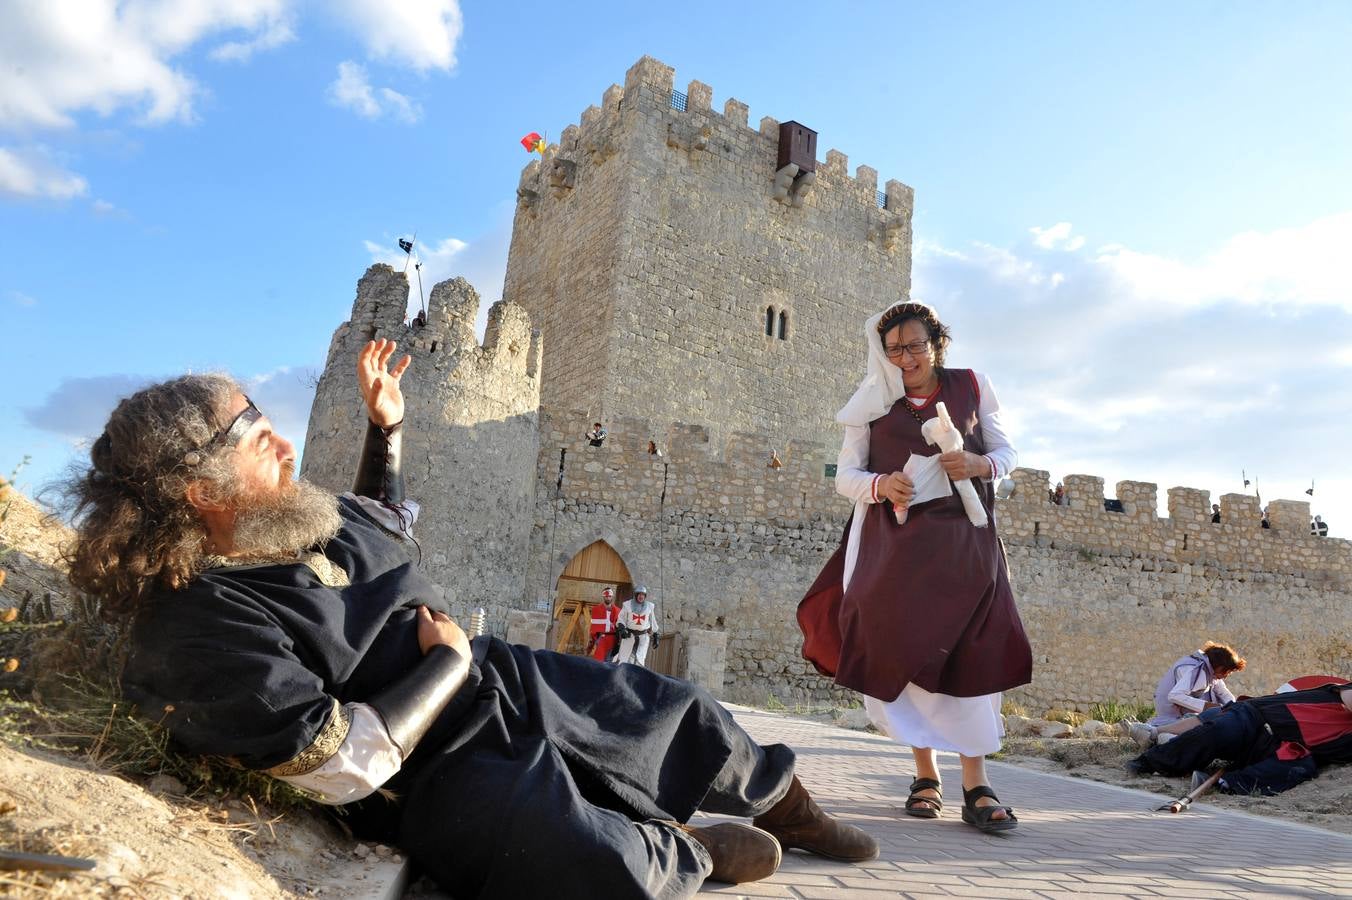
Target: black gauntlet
[(412, 704), (379, 473)]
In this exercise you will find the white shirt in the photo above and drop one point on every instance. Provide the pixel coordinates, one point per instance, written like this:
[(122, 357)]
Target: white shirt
[(854, 481)]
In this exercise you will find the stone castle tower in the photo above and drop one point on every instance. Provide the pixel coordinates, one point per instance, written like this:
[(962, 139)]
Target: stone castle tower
[(691, 290), (669, 283), (472, 441)]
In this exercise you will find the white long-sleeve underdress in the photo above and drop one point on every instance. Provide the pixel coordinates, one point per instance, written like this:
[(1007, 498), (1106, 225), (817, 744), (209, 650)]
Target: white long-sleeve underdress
[(919, 718)]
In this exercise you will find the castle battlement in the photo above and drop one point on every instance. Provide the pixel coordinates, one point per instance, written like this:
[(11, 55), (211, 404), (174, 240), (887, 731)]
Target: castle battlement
[(692, 125), (1186, 537), (445, 339)]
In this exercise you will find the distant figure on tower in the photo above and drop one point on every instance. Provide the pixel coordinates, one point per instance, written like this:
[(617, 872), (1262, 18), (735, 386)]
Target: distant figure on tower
[(603, 617), (597, 436), (637, 627)]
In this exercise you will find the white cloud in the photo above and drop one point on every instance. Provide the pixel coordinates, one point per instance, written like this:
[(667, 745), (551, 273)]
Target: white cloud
[(19, 298), (102, 56), (352, 90), (1289, 267), (276, 34), (1209, 366), (1057, 237), (421, 34), (31, 174), (482, 262)]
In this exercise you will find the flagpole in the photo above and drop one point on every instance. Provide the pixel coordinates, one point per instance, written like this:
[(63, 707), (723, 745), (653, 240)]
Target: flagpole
[(409, 251)]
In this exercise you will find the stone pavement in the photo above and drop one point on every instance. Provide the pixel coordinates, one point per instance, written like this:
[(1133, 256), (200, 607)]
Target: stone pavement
[(1075, 836)]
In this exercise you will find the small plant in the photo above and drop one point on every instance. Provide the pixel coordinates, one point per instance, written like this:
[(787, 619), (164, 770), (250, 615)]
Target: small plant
[(1114, 711), (1086, 555), (1010, 708)]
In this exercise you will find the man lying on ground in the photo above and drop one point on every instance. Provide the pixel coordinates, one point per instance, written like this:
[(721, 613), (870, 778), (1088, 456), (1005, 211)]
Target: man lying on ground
[(1269, 744), (291, 631)]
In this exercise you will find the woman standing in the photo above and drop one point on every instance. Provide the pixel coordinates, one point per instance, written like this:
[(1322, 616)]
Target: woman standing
[(919, 617)]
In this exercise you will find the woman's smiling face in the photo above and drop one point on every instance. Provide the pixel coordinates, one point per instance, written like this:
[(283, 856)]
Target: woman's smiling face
[(908, 347)]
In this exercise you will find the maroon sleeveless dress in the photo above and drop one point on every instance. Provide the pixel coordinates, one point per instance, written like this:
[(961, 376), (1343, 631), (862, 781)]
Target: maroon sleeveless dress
[(929, 601)]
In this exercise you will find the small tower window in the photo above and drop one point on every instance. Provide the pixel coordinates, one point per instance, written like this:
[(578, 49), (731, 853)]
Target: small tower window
[(769, 321), (783, 325)]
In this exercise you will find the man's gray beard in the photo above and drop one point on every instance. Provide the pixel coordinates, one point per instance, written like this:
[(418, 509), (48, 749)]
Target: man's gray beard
[(283, 524)]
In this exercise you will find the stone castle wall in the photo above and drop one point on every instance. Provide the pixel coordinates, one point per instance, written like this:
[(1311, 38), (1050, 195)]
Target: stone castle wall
[(471, 432), (648, 245), (1109, 599)]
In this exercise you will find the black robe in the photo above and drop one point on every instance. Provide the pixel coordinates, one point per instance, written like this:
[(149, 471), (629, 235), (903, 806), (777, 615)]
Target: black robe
[(247, 662)]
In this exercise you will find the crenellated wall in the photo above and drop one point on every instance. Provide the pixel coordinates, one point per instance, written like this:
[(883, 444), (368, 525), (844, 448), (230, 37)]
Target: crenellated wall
[(649, 244), (470, 436), (1110, 599)]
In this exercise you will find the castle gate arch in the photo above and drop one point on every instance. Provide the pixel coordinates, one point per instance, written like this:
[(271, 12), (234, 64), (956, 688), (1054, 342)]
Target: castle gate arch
[(595, 567)]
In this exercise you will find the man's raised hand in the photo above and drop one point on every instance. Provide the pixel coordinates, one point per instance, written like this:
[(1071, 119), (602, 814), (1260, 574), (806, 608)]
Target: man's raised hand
[(379, 384)]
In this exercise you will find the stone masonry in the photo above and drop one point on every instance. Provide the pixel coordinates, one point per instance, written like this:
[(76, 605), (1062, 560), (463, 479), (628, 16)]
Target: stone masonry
[(471, 439), (647, 248)]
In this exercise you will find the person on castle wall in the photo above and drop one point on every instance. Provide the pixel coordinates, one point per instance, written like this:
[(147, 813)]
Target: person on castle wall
[(1059, 495), (292, 631), (638, 627), (603, 617), (1269, 744), (919, 617), (1216, 513), (1192, 686), (1266, 523), (1319, 528), (653, 449), (597, 436)]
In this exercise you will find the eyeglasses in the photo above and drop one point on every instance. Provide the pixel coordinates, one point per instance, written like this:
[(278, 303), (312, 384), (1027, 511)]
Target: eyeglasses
[(230, 435), (916, 348)]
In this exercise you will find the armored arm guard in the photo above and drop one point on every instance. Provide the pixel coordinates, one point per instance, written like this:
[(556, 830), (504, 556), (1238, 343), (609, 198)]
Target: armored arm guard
[(412, 704), (379, 472)]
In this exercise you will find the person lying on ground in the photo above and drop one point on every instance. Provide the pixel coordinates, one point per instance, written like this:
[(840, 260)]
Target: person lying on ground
[(1268, 744), (291, 631)]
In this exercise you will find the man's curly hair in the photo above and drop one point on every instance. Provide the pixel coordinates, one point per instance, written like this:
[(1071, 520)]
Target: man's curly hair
[(135, 529), (901, 313)]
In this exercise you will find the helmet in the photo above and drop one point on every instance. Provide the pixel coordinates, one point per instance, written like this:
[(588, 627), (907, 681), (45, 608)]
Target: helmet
[(640, 589)]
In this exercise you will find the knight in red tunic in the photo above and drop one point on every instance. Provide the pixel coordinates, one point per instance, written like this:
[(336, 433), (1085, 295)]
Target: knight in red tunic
[(603, 616)]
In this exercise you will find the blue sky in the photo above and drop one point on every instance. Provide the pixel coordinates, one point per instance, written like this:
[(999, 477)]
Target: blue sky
[(1134, 215)]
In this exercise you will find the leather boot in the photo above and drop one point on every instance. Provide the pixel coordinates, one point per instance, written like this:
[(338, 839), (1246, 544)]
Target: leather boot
[(799, 823), (740, 852)]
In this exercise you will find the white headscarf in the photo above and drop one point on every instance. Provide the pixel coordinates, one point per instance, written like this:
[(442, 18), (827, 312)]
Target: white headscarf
[(882, 385)]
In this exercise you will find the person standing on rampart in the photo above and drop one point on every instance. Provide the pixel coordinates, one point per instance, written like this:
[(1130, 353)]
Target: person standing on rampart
[(919, 617)]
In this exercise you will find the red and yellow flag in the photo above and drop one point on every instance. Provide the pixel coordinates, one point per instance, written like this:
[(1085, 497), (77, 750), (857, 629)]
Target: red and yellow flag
[(534, 143)]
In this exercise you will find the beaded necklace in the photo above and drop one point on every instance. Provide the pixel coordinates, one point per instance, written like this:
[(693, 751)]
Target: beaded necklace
[(915, 413)]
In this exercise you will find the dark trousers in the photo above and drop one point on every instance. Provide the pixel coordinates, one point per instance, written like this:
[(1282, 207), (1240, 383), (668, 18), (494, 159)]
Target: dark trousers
[(1237, 735), (541, 795)]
